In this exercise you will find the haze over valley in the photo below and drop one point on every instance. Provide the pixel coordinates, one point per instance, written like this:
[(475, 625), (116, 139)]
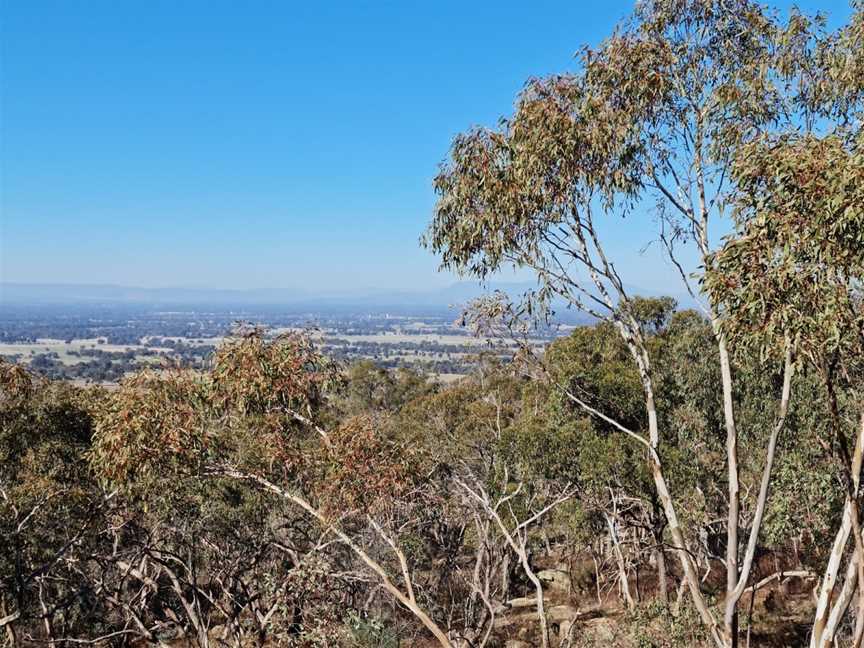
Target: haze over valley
[(432, 325)]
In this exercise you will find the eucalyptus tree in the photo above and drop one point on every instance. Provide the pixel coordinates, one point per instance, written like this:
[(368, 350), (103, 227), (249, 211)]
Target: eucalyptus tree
[(498, 496), (51, 509), (650, 121), (254, 420), (793, 271), (792, 276)]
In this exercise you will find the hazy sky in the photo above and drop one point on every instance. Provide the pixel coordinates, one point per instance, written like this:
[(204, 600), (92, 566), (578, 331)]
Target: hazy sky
[(260, 144)]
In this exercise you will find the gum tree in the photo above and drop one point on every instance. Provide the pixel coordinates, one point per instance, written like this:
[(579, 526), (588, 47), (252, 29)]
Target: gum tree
[(50, 507), (255, 418), (792, 275), (650, 121)]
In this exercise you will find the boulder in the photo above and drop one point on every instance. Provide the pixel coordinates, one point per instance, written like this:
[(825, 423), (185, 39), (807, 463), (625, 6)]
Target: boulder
[(561, 613), (555, 579), (600, 630), (554, 614), (523, 602)]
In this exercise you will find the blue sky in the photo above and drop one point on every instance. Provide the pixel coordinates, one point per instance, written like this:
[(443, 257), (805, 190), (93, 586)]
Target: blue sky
[(260, 144)]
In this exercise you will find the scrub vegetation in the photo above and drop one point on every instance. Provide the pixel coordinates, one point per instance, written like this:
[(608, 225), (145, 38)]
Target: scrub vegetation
[(660, 477)]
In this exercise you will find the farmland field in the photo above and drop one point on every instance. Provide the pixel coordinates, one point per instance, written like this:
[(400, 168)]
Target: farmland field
[(105, 349)]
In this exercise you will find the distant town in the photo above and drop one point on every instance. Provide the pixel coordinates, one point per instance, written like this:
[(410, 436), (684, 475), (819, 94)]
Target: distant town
[(103, 343)]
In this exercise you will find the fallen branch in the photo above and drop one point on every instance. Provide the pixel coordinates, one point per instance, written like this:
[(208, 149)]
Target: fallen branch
[(779, 576)]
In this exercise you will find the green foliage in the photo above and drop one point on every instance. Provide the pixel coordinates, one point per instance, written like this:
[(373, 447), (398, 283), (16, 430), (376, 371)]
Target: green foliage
[(152, 508), (594, 362), (48, 498), (369, 388), (794, 268), (371, 633), (651, 626)]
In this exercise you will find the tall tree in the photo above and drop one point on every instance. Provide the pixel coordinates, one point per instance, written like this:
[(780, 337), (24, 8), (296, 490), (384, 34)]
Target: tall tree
[(792, 275), (254, 418), (652, 119)]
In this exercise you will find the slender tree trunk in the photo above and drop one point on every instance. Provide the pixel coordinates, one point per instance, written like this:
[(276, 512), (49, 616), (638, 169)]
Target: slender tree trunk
[(687, 566), (820, 635), (632, 337), (730, 617), (858, 637), (541, 606), (662, 589), (597, 578), (841, 604), (623, 581), (829, 579), (46, 617), (658, 523), (733, 594), (852, 481), (505, 574), (679, 597)]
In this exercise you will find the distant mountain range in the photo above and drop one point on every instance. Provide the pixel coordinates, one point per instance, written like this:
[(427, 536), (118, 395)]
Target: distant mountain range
[(106, 294), (442, 299)]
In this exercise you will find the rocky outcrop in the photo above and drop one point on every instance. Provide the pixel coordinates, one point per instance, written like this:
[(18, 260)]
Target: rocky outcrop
[(556, 580), (522, 613)]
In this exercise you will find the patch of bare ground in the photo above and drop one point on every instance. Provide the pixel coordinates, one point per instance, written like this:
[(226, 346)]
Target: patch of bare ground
[(582, 614)]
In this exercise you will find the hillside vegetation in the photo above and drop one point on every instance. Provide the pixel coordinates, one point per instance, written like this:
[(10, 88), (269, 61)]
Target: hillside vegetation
[(662, 477)]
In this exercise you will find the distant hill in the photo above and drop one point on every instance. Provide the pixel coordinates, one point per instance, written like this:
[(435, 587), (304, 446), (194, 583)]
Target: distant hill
[(438, 300), (107, 293)]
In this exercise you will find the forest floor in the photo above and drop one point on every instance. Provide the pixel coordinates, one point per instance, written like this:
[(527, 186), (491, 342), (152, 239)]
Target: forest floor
[(779, 615)]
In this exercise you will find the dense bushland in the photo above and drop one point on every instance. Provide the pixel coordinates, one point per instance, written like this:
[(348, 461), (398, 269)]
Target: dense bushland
[(278, 499), (662, 477)]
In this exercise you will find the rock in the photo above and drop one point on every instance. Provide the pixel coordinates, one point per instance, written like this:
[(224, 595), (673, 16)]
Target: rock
[(600, 630), (555, 579), (559, 613), (524, 602), (554, 614)]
